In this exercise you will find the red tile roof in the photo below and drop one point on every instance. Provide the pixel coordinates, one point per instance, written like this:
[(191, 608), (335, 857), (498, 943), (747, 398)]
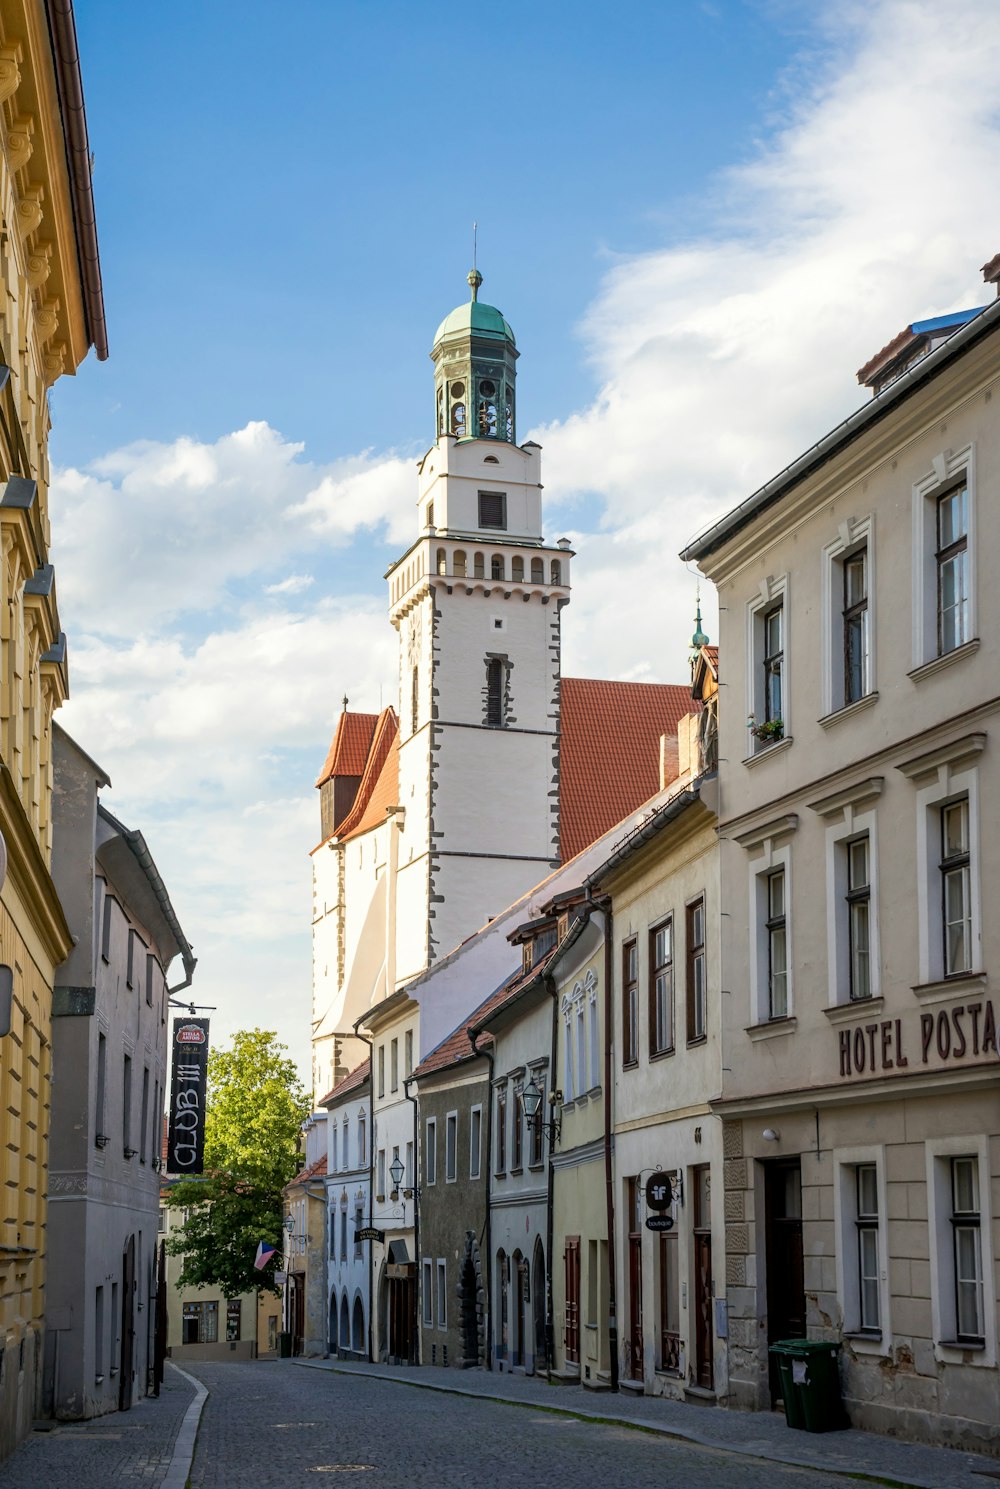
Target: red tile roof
[(381, 751), (458, 1046), (351, 742), (610, 752), (351, 1082), (890, 350), (315, 1170)]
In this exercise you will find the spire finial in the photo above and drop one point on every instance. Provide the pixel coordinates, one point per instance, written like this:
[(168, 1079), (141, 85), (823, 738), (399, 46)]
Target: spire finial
[(474, 277), (345, 702), (699, 639)]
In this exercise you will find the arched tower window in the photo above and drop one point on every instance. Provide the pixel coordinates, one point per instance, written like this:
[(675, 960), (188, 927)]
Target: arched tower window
[(497, 566), (487, 408), (556, 571), (458, 563), (517, 567), (441, 561), (478, 566), (440, 411), (537, 571), (414, 701), (458, 410)]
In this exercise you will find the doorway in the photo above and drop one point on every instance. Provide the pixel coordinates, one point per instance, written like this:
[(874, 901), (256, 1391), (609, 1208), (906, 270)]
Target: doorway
[(539, 1288), (704, 1287), (128, 1325), (786, 1294), (571, 1341)]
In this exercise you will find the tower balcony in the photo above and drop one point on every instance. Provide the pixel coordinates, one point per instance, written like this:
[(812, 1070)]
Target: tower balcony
[(466, 562)]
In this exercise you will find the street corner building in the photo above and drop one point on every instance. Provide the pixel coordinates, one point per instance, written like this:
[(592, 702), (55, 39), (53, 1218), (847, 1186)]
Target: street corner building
[(51, 314)]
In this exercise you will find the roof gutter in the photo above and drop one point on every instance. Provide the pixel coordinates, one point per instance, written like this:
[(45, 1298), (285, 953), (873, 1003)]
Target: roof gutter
[(642, 834), (844, 434), (69, 85)]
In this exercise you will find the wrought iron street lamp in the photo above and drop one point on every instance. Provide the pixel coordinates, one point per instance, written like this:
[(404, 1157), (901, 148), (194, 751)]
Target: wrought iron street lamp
[(531, 1100)]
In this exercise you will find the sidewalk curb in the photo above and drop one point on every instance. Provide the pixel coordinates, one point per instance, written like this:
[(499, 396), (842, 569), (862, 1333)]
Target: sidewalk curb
[(183, 1455), (639, 1424)]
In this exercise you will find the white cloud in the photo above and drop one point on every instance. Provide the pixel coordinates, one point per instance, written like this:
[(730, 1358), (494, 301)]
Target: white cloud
[(295, 584), (722, 359)]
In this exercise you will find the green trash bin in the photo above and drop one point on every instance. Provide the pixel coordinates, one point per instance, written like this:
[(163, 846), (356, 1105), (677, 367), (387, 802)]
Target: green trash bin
[(791, 1394), (814, 1380), (284, 1346)]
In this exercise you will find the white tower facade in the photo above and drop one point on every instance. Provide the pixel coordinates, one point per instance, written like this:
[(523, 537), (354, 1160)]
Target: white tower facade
[(476, 602)]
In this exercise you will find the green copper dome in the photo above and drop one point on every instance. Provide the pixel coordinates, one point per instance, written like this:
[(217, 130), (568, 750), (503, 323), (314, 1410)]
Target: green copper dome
[(475, 317)]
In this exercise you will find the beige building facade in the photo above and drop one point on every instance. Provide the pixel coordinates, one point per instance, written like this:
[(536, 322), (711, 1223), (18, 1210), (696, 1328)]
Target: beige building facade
[(859, 775)]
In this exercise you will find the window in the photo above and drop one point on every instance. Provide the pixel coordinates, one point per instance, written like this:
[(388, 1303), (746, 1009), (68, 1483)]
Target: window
[(569, 1088), (347, 1142), (334, 1165), (774, 663), (968, 1250), (380, 1173), (581, 1044), (517, 1133), (497, 566), (408, 1052), (362, 1156), (859, 891), (144, 1115), (697, 992), (595, 1033), (430, 505), (430, 1151), (866, 1179), (130, 968), (492, 509), (459, 564), (99, 1333), (555, 570), (451, 1147), (475, 1141), (106, 927), (442, 561), (395, 1160), (200, 1323), (408, 1171), (956, 897), (777, 947), (855, 572), (536, 1129), (381, 1070), (952, 560), (478, 566), (155, 1126), (359, 1220), (630, 1003), (501, 1136), (161, 1224), (343, 1235), (537, 571), (333, 1235), (517, 568), (414, 700), (661, 989), (442, 1294), (150, 977), (394, 1065), (427, 1282), (234, 1319), (495, 680), (100, 1133), (127, 1105)]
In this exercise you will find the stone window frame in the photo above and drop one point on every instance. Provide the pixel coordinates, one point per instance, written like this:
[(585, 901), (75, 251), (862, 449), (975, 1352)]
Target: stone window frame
[(770, 847), (853, 534), (939, 1153), (948, 469), (846, 1162), (850, 814)]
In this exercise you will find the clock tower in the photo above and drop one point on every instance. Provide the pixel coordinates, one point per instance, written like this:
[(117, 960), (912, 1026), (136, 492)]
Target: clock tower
[(476, 601)]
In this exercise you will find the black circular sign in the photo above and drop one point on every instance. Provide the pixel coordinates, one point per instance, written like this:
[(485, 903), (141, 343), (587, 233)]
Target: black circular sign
[(659, 1195), (659, 1222)]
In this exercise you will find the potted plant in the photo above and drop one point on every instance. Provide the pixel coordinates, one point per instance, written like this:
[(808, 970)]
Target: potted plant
[(768, 731)]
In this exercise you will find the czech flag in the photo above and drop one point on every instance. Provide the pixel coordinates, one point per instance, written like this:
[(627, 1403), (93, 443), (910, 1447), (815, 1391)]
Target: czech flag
[(265, 1252)]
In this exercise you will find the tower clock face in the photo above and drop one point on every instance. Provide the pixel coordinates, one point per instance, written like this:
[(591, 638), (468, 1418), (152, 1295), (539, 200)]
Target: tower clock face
[(487, 388)]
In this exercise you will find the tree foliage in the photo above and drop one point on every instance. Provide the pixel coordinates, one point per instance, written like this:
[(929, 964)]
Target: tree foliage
[(254, 1108)]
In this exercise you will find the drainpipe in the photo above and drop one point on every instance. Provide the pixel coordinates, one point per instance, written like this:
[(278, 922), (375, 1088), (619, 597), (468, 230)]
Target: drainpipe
[(489, 1185), (407, 1080), (550, 1341), (371, 1189)]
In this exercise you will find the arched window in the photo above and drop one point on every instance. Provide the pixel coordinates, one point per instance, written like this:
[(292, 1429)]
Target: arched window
[(487, 420), (458, 419), (494, 692), (358, 1328), (497, 566), (414, 701), (441, 561), (517, 567), (345, 1327), (440, 411), (537, 571), (458, 563), (509, 420), (556, 571), (478, 566)]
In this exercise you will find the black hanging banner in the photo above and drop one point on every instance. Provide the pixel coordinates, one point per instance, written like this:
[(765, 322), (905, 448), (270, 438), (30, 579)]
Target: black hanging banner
[(188, 1083)]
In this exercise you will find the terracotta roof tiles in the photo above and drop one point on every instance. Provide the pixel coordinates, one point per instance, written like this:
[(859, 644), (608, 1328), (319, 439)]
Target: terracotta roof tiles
[(457, 1046), (351, 742), (315, 1170), (610, 752), (350, 1082), (381, 750)]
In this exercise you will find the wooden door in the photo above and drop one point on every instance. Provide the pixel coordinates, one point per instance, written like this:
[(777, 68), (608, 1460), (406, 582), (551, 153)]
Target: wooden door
[(126, 1366), (571, 1257), (703, 1285), (786, 1295), (635, 1348)]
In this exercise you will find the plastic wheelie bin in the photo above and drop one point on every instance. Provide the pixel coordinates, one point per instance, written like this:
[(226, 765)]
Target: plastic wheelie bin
[(810, 1381), (284, 1346)]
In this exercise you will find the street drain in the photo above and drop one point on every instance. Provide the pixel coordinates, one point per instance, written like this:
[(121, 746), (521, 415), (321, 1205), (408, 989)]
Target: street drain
[(343, 1468)]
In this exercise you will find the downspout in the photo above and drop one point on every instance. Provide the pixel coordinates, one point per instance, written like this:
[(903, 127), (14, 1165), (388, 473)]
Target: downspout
[(609, 1176), (416, 1216), (550, 1340), (371, 1189), (488, 1054)]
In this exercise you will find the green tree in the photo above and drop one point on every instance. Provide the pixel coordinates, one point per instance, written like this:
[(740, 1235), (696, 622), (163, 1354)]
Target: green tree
[(255, 1107)]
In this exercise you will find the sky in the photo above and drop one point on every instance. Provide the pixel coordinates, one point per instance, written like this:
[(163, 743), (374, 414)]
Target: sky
[(700, 219)]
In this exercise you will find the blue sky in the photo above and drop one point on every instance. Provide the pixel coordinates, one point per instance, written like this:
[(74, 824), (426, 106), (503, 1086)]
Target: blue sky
[(700, 220)]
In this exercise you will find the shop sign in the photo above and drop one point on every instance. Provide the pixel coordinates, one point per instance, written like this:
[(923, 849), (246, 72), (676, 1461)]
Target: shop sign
[(659, 1191), (188, 1086), (369, 1233), (659, 1222), (958, 1032)]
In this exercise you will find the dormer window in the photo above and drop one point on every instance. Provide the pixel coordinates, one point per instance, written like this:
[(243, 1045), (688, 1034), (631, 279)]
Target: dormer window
[(493, 509)]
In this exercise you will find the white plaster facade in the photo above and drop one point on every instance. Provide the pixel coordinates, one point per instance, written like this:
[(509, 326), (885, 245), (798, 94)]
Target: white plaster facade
[(348, 1204)]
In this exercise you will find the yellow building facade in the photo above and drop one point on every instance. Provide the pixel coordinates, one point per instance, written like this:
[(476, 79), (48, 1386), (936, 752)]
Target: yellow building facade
[(51, 313)]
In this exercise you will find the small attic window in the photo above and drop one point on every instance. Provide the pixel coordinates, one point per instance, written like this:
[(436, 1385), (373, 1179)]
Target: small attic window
[(490, 460)]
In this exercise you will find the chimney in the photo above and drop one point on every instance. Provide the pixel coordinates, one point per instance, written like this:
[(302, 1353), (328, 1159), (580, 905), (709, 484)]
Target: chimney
[(991, 271)]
